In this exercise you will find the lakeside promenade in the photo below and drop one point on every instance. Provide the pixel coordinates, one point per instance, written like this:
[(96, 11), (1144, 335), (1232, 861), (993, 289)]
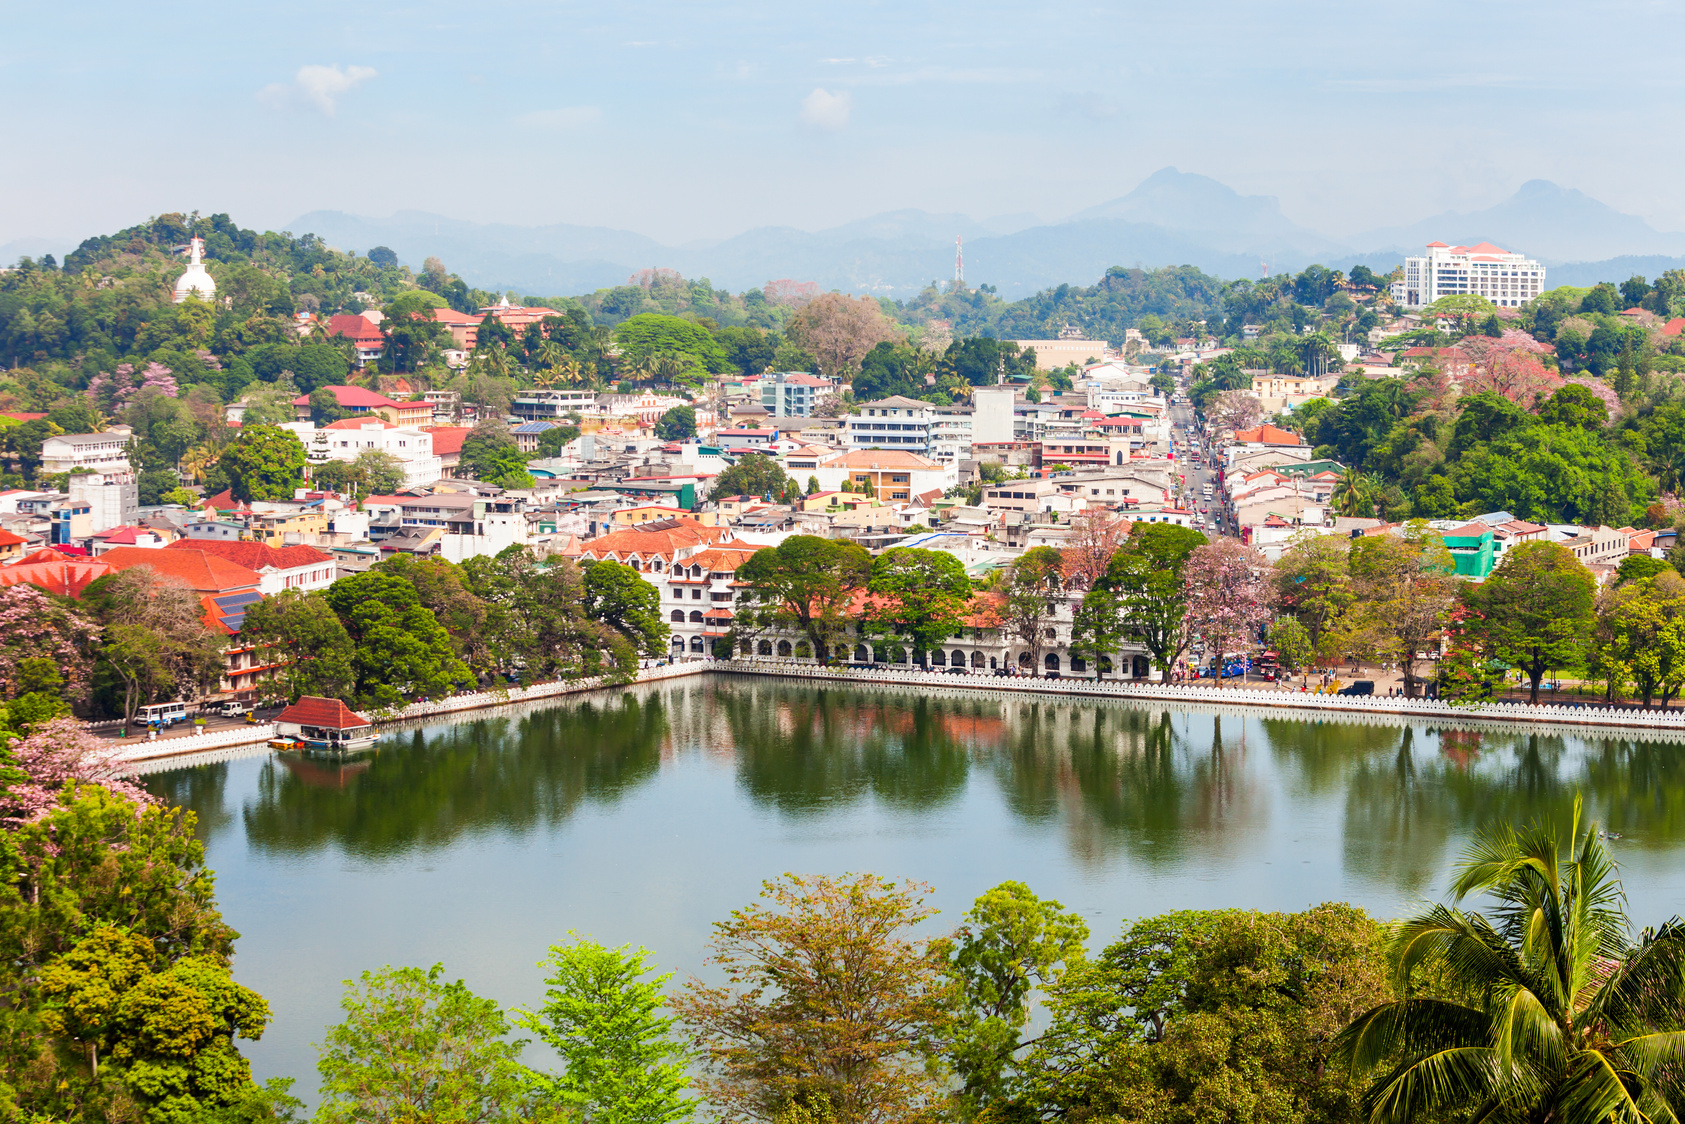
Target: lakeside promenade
[(1655, 724)]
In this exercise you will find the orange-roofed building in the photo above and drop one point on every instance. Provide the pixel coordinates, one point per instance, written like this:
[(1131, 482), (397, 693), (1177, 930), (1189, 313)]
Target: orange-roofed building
[(279, 568), (654, 549), (12, 547), (325, 723), (196, 569), (1267, 435)]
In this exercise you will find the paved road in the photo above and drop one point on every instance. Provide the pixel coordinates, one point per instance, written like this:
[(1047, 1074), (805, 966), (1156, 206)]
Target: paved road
[(1182, 415)]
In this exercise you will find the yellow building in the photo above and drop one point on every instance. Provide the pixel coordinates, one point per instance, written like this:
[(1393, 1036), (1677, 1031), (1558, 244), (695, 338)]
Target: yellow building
[(272, 527)]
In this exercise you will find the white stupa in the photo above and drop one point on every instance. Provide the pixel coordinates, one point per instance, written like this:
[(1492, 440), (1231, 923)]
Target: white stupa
[(196, 279)]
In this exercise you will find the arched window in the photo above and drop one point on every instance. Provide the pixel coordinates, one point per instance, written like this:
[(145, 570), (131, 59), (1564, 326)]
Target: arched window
[(939, 658), (678, 616), (1078, 664), (1025, 659), (803, 650), (1141, 667), (696, 643), (977, 660), (766, 648), (900, 655), (1052, 661), (784, 648), (1105, 665), (992, 666), (1051, 633), (861, 655), (957, 659), (678, 642), (696, 616)]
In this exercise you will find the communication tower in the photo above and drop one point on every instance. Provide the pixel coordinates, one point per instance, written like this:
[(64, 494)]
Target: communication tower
[(959, 261)]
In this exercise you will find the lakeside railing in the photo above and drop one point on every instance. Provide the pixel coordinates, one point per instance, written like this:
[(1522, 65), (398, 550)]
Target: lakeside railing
[(1588, 714)]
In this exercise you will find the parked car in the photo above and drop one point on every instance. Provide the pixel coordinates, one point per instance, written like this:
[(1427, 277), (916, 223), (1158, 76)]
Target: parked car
[(1359, 687)]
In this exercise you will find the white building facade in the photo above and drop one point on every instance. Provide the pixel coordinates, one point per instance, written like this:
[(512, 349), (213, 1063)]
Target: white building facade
[(1506, 279), (904, 425)]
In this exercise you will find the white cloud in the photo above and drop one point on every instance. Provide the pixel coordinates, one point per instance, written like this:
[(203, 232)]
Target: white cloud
[(567, 117), (825, 110), (316, 86)]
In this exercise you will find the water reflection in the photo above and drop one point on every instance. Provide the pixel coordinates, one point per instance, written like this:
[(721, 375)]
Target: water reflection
[(1158, 786), (431, 787)]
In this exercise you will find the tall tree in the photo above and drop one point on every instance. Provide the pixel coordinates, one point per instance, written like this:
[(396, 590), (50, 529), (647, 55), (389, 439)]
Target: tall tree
[(415, 1047), (621, 1063), (921, 596), (263, 463), (806, 583), (1147, 575), (1011, 946), (1227, 597), (1534, 611), (1405, 585), (838, 330), (1034, 587), (301, 635), (831, 1005), (620, 598)]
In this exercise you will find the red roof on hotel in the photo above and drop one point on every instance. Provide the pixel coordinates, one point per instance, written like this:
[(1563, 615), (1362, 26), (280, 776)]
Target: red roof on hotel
[(327, 714)]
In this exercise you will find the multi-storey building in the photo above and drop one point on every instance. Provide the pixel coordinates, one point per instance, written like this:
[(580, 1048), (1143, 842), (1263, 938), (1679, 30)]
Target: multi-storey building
[(699, 597), (903, 424), (1506, 279), (793, 394)]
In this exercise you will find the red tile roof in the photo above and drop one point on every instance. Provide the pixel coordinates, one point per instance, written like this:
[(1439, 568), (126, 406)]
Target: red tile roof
[(222, 501), (327, 714), (1674, 326), (194, 568), (22, 417), (67, 577), (354, 327), (9, 539), (1268, 435), (359, 423), (353, 398), (255, 555), (448, 439)]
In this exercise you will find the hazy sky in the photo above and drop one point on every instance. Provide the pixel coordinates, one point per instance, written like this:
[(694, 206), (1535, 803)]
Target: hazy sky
[(690, 120)]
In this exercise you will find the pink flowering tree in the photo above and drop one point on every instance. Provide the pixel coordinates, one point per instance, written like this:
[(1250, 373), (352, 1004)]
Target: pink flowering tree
[(56, 756), (34, 626), (1227, 596), (115, 390)]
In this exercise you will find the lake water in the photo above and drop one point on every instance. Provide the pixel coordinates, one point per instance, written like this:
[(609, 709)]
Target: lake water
[(645, 815)]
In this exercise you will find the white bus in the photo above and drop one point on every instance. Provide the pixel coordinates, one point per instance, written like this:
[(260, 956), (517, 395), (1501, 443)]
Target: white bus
[(161, 714)]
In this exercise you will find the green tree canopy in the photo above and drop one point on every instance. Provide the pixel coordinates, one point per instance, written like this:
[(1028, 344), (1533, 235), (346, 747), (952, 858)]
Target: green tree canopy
[(263, 463)]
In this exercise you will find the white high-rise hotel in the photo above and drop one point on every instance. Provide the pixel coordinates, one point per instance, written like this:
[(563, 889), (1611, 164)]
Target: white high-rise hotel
[(1505, 279)]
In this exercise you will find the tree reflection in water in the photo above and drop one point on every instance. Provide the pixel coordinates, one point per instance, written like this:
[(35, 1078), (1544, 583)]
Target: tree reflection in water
[(1161, 785)]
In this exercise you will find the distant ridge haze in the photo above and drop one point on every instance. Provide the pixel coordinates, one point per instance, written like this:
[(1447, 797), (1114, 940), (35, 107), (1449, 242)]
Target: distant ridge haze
[(1171, 218)]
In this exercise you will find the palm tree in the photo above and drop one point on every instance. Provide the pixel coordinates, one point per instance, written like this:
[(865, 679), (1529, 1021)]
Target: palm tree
[(1351, 496), (1558, 1014), (196, 460)]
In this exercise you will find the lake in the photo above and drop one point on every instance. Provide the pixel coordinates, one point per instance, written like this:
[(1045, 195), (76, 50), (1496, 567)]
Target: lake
[(645, 815)]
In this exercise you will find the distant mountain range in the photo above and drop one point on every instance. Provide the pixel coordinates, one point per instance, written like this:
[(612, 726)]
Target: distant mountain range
[(1171, 218)]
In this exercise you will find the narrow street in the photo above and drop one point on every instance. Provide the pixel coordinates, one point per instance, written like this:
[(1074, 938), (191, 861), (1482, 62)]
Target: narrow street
[(1195, 479)]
